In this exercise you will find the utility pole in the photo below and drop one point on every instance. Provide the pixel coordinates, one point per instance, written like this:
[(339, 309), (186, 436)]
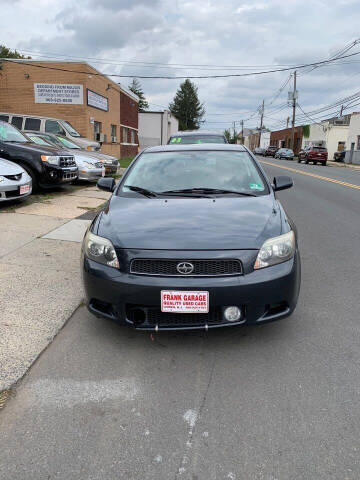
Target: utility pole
[(261, 121), (293, 114), (242, 132), (341, 111), (234, 134)]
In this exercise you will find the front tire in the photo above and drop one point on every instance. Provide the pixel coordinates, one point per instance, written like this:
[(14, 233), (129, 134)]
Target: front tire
[(34, 180)]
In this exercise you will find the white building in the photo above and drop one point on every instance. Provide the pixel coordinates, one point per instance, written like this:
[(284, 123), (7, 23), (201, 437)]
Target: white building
[(353, 139), (156, 127), (331, 134)]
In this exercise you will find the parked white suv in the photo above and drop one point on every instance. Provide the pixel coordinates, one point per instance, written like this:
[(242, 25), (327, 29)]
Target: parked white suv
[(48, 125)]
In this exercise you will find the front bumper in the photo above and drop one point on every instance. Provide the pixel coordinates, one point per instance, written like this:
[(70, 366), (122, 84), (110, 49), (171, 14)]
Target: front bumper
[(110, 169), (55, 175), (90, 174), (264, 295), (10, 190)]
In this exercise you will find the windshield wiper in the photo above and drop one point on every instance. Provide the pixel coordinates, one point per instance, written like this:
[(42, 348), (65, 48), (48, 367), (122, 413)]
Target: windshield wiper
[(205, 190), (143, 191)]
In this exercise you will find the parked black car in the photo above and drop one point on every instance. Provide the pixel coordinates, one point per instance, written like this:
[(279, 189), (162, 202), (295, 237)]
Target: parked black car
[(340, 156), (192, 237), (46, 165), (187, 137)]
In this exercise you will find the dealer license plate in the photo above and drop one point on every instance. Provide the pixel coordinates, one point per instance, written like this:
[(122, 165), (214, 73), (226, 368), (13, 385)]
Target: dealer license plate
[(24, 189), (184, 301)]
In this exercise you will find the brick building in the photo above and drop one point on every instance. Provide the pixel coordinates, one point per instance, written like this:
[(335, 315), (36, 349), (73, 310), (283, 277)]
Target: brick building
[(96, 106), (282, 138)]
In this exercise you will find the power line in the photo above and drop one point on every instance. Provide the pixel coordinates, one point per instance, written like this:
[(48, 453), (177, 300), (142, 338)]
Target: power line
[(138, 62), (165, 77)]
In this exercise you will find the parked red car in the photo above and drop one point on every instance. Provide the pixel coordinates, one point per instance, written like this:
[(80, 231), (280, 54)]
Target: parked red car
[(313, 154), (270, 151)]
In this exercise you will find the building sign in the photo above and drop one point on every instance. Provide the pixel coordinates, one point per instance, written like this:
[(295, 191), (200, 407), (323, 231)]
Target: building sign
[(97, 101), (58, 93)]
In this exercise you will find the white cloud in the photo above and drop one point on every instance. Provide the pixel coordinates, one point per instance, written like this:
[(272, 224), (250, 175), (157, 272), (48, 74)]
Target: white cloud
[(206, 32)]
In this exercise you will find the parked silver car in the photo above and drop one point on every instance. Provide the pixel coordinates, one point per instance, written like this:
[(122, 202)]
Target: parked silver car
[(14, 181), (90, 168), (110, 163)]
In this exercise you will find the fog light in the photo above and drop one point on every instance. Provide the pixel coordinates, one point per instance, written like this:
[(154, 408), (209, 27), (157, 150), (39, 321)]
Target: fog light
[(232, 314)]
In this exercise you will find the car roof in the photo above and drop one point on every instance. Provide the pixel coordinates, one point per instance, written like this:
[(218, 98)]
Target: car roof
[(184, 133), (196, 147)]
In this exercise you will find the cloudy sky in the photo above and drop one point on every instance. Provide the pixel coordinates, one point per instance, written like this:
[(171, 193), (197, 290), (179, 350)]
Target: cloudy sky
[(202, 37)]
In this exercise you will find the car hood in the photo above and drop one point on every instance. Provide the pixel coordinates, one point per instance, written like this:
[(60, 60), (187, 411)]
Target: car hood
[(84, 157), (101, 156), (9, 168), (40, 149), (190, 223)]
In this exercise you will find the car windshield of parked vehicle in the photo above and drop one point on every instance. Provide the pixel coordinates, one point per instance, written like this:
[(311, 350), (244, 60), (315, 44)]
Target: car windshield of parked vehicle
[(38, 140), (70, 129), (8, 134), (286, 150), (68, 143), (196, 171), (318, 149), (190, 139)]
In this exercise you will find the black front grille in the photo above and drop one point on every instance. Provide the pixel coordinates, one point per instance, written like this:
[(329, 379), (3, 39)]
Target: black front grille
[(212, 268), (13, 193), (14, 177), (98, 165), (154, 316), (67, 162)]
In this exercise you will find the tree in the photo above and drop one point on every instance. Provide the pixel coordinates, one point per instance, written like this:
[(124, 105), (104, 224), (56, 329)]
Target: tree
[(186, 106), (7, 53), (136, 88), (230, 135)]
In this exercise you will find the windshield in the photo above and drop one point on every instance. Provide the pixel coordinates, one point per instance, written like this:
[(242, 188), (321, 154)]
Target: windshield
[(319, 149), (68, 143), (221, 170), (8, 133), (38, 140), (70, 129), (189, 139)]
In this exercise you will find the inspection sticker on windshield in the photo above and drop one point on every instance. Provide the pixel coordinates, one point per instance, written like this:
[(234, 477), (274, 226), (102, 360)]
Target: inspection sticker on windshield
[(184, 302), (256, 186)]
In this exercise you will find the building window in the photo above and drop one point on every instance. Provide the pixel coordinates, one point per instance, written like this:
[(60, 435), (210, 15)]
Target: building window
[(125, 135), (113, 133), (358, 143), (133, 136), (97, 131)]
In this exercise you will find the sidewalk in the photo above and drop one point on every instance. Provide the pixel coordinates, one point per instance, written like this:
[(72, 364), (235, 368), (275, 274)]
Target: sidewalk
[(40, 284)]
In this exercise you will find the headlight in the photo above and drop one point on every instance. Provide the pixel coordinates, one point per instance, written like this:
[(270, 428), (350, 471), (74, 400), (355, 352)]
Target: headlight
[(89, 165), (52, 159), (276, 250), (101, 250)]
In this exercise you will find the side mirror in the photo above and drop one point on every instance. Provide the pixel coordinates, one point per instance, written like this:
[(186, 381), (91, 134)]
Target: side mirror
[(282, 183), (106, 183)]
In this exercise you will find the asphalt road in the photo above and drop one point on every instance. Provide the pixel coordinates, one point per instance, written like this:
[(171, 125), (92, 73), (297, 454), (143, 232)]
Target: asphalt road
[(278, 401)]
